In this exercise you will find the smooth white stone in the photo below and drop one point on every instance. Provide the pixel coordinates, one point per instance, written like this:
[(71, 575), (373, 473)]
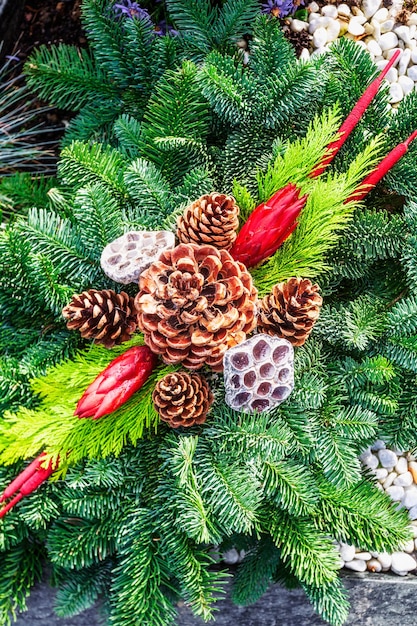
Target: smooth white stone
[(356, 565), (371, 461), (357, 12), (408, 547), (395, 492), (412, 466), (401, 44), (412, 513), (412, 72), (313, 17), (406, 479), (386, 27), (374, 48), (392, 75), (370, 7), (403, 562), (412, 29), (390, 53), (313, 7), (354, 28), (388, 41), (381, 15), (363, 556), (379, 444), (318, 52), (412, 20), (415, 543), (242, 43), (347, 552), (231, 556), (389, 480), (387, 458), (314, 25), (381, 473), (298, 25), (394, 570), (402, 69), (373, 566), (343, 10), (381, 63), (412, 45), (320, 37), (374, 554), (378, 484), (410, 497), (385, 559), (333, 30), (341, 563), (403, 32), (369, 29), (305, 54), (377, 28), (413, 527), (329, 10)]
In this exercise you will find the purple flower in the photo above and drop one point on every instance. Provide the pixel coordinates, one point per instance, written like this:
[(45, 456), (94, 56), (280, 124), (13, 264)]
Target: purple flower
[(130, 9), (281, 8), (162, 28)]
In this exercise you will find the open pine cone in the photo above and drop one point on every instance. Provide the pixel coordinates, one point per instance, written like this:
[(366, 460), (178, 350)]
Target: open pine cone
[(182, 399), (194, 303), (105, 316), (291, 310), (212, 219)]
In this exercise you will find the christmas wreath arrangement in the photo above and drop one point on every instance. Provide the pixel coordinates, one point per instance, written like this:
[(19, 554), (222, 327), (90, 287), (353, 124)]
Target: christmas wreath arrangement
[(224, 398)]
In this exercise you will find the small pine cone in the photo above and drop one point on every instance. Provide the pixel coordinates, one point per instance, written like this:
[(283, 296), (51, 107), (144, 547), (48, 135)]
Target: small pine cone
[(212, 219), (106, 316), (291, 310), (182, 399)]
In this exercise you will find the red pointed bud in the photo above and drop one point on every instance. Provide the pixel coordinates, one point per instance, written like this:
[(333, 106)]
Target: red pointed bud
[(117, 383), (268, 226)]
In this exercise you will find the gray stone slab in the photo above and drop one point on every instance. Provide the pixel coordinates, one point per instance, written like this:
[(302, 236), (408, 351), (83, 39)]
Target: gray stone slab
[(377, 600)]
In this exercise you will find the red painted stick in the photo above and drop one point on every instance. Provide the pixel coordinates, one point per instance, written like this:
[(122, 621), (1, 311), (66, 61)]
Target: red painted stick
[(353, 118), (21, 478), (379, 172)]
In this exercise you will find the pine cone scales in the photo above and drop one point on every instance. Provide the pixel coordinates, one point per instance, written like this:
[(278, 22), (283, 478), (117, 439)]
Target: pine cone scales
[(194, 303), (105, 316), (212, 219), (182, 399), (291, 310)]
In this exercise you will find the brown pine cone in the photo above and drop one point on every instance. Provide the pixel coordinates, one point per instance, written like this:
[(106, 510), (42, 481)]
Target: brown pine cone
[(291, 310), (212, 219), (105, 316), (182, 399), (194, 304)]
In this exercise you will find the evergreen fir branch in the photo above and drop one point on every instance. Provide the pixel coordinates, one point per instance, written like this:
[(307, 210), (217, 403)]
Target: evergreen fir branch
[(255, 573), (401, 350), (376, 370), (148, 188), (129, 133), (310, 390), (270, 52), (329, 601), (67, 77), (355, 422), (235, 19), (93, 123), (307, 552), (79, 590), (402, 318), (54, 294), (291, 486), (245, 201), (197, 182), (338, 457), (82, 164), (365, 321), (141, 580), (195, 20), (24, 191)]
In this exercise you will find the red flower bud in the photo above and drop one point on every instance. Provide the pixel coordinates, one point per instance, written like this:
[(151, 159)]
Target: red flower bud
[(268, 226), (27, 482), (121, 378)]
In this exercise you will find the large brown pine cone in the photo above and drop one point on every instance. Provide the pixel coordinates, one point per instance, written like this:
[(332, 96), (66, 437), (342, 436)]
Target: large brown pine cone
[(105, 316), (182, 399), (194, 303), (212, 219), (291, 310)]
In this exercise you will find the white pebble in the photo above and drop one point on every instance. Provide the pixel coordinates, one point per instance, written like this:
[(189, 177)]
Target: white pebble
[(363, 556), (389, 480), (403, 562), (392, 75), (402, 69), (369, 29), (313, 17), (355, 28), (388, 41), (413, 527), (412, 513), (374, 566), (298, 25), (415, 544), (387, 458), (412, 29), (402, 465), (381, 15), (414, 55), (329, 10), (313, 7), (305, 54), (315, 26), (347, 552), (412, 20), (379, 444), (386, 27), (385, 559), (374, 49), (343, 10), (390, 53), (370, 7), (403, 32), (356, 565), (381, 473), (405, 480), (377, 28), (412, 466), (395, 492), (412, 72), (408, 547), (231, 556), (333, 30), (410, 497)]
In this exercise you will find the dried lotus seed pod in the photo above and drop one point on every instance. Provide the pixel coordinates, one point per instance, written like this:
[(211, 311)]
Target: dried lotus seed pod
[(124, 259), (259, 373)]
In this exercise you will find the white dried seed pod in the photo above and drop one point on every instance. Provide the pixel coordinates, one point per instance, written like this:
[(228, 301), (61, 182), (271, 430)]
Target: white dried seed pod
[(124, 259), (259, 373)]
